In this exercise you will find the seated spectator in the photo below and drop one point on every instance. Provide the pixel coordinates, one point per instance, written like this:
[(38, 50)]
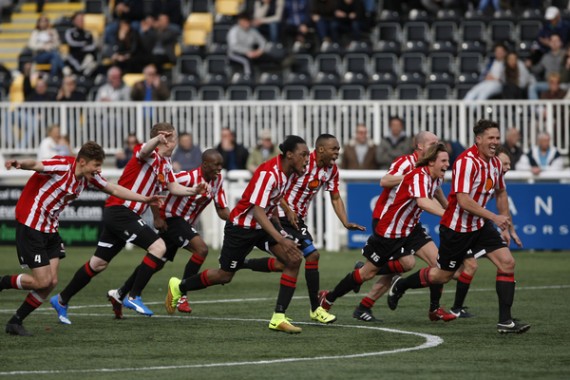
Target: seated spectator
[(187, 156), (82, 47), (396, 144), (541, 157), (516, 78), (554, 91), (262, 152), (349, 15), (565, 68), (512, 145), (64, 146), (125, 52), (123, 156), (455, 149), (68, 91), (49, 146), (246, 44), (554, 24), (267, 15), (173, 9), (151, 88), (551, 62), (360, 152), (131, 10), (325, 20), (115, 90), (235, 155), (484, 4), (39, 93), (492, 84), (296, 21), (44, 44), (158, 40)]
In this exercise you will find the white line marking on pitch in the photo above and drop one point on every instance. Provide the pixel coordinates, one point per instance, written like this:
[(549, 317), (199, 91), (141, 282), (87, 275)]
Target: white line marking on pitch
[(430, 342)]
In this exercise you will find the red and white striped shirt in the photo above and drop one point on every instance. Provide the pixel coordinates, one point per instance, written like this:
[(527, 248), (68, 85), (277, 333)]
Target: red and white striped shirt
[(404, 213), (401, 166), (478, 178), (265, 189), (190, 207), (48, 192), (145, 177), (304, 188)]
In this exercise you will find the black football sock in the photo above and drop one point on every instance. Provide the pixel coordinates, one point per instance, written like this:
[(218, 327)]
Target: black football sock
[(265, 264), (461, 289), (80, 280), (287, 287), (312, 279), (392, 266), (149, 266), (10, 282), (505, 285), (196, 282), (193, 265), (435, 291), (349, 282), (31, 303)]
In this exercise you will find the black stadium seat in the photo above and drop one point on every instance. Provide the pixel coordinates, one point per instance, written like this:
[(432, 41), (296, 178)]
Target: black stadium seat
[(211, 93), (266, 92), (352, 92), (295, 92), (380, 92)]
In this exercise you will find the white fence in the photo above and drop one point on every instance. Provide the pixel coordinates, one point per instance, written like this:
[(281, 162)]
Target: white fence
[(24, 125)]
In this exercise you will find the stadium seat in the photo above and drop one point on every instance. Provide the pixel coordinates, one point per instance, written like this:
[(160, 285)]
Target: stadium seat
[(236, 92), (441, 63), (217, 64), (327, 78), (474, 31), (416, 47), (352, 92), (462, 89), (528, 30), (390, 31), (444, 31), (476, 15), (380, 92), (385, 63), (409, 92), (188, 80), (195, 37), (532, 14), (211, 93), (216, 80), (95, 23), (323, 92), (199, 21), (448, 15), (470, 63), (356, 63), (218, 43), (242, 79), (502, 31), (417, 31), (132, 78), (387, 15), (298, 79), (275, 79), (295, 92), (266, 92), (330, 47), (355, 78), (390, 79), (447, 46), (413, 68), (200, 6), (441, 78), (439, 92), (393, 47), (473, 47), (228, 7), (328, 63), (190, 65), (505, 15), (418, 15), (303, 63), (94, 6), (183, 93), (359, 47)]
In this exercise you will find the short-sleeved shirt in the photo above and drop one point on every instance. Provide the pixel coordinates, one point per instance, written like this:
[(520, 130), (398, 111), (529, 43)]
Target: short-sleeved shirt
[(404, 213), (479, 179), (143, 176), (48, 192), (189, 207), (303, 188), (265, 189)]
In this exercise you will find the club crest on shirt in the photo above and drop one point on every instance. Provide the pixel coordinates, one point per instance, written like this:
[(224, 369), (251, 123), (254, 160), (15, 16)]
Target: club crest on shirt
[(314, 184), (488, 184), (161, 178)]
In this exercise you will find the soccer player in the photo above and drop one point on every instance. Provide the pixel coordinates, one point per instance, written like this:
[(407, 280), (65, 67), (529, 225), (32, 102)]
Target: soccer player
[(148, 172), (389, 182), (249, 226), (398, 233), (467, 229), (465, 275), (175, 220), (55, 183), (322, 172)]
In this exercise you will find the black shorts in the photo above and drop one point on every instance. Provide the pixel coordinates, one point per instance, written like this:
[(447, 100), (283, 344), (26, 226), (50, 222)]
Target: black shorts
[(178, 235), (379, 250), (35, 249), (454, 246), (302, 235), (120, 226), (238, 243)]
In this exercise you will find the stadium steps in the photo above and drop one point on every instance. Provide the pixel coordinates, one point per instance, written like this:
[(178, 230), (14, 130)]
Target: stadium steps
[(54, 7)]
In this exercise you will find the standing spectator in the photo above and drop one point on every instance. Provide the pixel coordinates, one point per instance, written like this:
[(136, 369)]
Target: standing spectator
[(296, 21), (44, 43), (187, 155), (151, 88), (396, 144), (123, 157), (541, 157), (551, 62), (115, 90), (158, 40), (512, 145), (82, 47), (517, 78), (68, 91), (263, 151), (491, 84), (235, 155), (349, 19), (554, 24), (360, 152), (49, 146), (267, 15), (325, 20), (124, 53)]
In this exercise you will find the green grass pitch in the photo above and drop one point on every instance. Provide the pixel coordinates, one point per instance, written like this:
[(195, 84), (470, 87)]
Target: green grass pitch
[(226, 336)]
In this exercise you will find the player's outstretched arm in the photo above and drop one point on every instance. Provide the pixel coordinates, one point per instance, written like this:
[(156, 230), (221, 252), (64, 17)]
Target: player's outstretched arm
[(289, 246), (153, 143), (25, 165), (431, 206), (340, 211), (390, 180), (177, 189), (124, 193)]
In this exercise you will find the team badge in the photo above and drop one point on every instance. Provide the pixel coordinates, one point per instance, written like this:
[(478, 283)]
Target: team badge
[(314, 184)]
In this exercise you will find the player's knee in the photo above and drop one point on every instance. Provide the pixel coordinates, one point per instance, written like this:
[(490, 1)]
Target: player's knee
[(225, 277), (97, 264), (508, 265), (313, 256), (470, 267), (158, 248), (294, 262), (408, 263), (366, 275), (44, 282), (202, 251)]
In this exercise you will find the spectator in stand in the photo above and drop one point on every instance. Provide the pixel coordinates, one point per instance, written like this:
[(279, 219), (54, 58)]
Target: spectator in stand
[(484, 4), (264, 150), (82, 47), (554, 91), (512, 145), (125, 53), (517, 78), (131, 10), (565, 68), (158, 40), (491, 84), (123, 156), (396, 144), (296, 21), (454, 148), (44, 43), (68, 91), (115, 90), (541, 157), (171, 8), (323, 16), (49, 146), (187, 155), (360, 152), (551, 62), (267, 16), (554, 24), (39, 93), (64, 146), (349, 15), (235, 155), (151, 88), (433, 6)]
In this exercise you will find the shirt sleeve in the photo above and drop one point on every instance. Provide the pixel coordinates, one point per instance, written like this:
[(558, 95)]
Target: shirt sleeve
[(56, 165), (263, 188), (220, 197), (98, 182), (332, 183), (464, 174), (419, 186)]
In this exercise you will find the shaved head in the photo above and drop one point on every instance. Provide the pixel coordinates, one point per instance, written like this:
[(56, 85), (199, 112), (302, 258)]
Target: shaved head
[(210, 155)]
